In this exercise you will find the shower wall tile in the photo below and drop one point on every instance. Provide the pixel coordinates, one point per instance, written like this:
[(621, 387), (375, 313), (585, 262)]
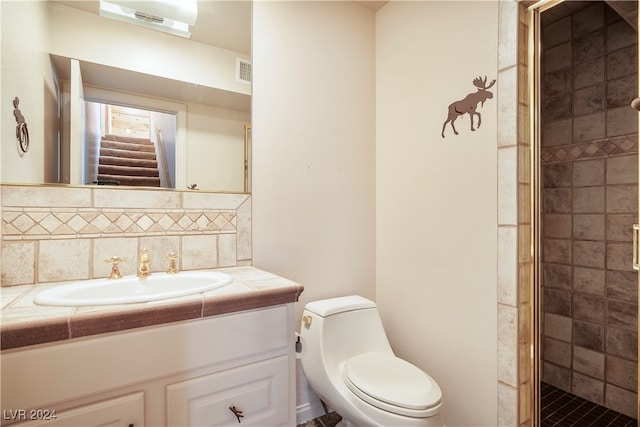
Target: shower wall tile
[(621, 91), (588, 73), (558, 352), (623, 62), (557, 226), (557, 276), (588, 19), (557, 175), (558, 133), (623, 401), (621, 121), (619, 227), (559, 327), (622, 315), (619, 256), (623, 343), (558, 302), (589, 335), (619, 35), (622, 198), (589, 127), (587, 387), (622, 169), (589, 100), (588, 280), (557, 32), (589, 46), (588, 200), (588, 172), (557, 57), (589, 254), (622, 285), (588, 226), (557, 200), (556, 375), (589, 362), (557, 251), (588, 307), (622, 373)]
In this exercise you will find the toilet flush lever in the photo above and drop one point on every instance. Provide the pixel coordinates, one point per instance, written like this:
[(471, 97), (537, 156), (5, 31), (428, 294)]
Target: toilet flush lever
[(306, 320)]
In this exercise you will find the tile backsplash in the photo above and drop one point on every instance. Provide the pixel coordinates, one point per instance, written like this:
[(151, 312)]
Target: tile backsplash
[(59, 233)]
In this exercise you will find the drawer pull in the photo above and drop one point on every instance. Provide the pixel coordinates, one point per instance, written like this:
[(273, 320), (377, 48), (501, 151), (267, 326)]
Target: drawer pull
[(236, 412)]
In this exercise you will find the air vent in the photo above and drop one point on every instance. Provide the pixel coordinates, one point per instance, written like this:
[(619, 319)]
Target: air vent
[(243, 70)]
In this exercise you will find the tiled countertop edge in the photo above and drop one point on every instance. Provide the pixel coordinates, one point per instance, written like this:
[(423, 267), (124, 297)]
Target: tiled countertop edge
[(78, 324)]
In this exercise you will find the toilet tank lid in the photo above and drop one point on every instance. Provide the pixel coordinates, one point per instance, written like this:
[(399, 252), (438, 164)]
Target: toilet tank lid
[(330, 306)]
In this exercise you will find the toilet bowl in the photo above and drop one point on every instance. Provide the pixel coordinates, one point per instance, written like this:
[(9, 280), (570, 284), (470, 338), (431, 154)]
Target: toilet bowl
[(350, 365)]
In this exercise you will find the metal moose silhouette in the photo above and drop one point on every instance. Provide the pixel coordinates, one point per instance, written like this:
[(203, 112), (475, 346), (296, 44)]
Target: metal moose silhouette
[(469, 104)]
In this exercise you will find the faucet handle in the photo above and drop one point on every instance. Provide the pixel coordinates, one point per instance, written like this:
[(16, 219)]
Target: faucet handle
[(115, 271), (173, 267)]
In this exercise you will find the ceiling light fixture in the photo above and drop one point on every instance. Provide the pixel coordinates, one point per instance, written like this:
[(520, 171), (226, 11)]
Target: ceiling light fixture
[(170, 16)]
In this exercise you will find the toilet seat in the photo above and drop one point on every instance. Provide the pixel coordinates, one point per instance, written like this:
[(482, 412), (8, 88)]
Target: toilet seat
[(392, 384)]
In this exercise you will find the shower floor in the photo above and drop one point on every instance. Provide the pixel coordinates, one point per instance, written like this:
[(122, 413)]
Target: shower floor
[(559, 408)]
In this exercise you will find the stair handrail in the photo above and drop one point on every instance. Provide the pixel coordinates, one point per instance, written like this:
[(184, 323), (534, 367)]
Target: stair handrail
[(163, 167)]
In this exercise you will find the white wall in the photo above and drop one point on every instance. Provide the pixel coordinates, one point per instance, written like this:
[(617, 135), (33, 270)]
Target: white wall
[(90, 37), (437, 199), (215, 147), (26, 73), (314, 148)]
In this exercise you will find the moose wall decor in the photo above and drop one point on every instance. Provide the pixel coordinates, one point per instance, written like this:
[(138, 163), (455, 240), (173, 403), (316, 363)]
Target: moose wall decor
[(469, 104)]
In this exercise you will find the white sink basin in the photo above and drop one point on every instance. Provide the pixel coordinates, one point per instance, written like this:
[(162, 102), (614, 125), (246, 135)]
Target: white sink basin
[(130, 289)]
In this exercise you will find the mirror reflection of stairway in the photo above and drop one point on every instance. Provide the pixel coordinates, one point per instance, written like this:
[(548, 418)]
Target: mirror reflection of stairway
[(128, 161)]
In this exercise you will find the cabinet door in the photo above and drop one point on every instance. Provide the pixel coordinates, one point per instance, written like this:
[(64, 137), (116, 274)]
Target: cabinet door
[(125, 411), (258, 393)]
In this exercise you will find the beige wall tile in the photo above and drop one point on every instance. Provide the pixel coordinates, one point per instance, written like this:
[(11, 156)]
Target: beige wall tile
[(61, 260), (18, 261), (142, 199), (227, 250), (158, 248), (508, 345), (507, 265), (122, 247), (201, 200), (507, 405), (45, 196), (199, 252)]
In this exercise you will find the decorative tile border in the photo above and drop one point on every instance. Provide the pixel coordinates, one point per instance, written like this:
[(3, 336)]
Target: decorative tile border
[(43, 226), (589, 150), (41, 223)]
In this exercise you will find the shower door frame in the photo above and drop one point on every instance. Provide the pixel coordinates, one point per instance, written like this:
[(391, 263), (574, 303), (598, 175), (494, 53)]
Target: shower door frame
[(533, 88)]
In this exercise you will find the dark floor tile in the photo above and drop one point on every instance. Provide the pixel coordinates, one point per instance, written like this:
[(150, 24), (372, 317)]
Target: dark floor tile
[(559, 408)]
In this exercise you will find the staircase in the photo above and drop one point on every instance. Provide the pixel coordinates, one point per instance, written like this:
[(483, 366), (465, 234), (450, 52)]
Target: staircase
[(128, 161)]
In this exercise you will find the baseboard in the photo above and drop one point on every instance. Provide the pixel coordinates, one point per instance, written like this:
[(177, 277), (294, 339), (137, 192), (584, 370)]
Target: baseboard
[(308, 411)]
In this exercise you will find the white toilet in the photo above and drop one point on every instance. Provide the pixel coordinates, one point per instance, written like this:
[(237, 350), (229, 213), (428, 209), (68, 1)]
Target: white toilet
[(350, 365)]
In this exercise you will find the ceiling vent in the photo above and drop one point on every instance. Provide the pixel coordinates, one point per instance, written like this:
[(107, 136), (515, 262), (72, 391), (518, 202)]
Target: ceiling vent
[(243, 70)]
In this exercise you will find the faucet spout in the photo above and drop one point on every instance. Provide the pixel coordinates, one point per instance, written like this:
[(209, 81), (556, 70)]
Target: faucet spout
[(143, 265)]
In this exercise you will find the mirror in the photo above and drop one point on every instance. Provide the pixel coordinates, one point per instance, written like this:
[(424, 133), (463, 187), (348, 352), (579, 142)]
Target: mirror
[(201, 81)]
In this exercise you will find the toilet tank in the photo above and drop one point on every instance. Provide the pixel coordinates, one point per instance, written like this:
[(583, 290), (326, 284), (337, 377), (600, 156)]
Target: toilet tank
[(338, 328)]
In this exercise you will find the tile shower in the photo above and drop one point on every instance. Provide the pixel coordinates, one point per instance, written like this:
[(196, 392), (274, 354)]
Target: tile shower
[(589, 168)]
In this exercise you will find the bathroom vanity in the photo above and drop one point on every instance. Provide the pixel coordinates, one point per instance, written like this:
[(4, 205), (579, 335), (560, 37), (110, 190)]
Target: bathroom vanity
[(225, 357)]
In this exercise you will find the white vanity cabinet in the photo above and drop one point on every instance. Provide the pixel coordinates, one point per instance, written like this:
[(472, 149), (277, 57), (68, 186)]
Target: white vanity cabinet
[(228, 370)]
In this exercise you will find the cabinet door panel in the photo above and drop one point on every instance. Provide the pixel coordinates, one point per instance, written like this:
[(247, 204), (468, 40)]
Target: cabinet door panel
[(259, 391), (122, 411)]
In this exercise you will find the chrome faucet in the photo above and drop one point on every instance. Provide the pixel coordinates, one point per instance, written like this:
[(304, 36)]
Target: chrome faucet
[(143, 263)]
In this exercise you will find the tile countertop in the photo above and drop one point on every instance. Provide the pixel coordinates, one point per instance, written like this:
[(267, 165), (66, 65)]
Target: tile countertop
[(24, 323)]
